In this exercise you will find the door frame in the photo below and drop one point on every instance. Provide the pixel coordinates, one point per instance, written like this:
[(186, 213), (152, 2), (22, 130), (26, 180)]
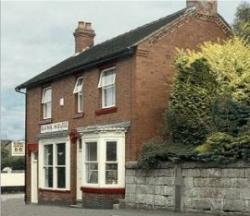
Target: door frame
[(34, 177)]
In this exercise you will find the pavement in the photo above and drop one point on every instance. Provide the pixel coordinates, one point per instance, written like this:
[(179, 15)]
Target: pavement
[(13, 205)]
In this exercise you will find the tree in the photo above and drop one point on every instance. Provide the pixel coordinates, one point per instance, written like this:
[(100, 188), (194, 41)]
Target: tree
[(16, 163), (211, 91), (242, 21), (188, 116)]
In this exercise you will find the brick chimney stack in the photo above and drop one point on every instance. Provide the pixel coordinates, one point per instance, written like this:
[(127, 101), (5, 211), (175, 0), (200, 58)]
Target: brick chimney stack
[(84, 36), (206, 7)]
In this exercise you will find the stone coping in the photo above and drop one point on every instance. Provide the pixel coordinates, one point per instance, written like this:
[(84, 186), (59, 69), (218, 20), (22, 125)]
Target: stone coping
[(192, 165), (122, 126)]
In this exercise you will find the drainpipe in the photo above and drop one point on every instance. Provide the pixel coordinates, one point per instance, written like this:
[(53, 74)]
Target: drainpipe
[(25, 141)]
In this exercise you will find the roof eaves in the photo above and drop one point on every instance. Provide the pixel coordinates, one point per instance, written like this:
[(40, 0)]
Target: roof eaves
[(188, 11), (126, 52), (229, 28)]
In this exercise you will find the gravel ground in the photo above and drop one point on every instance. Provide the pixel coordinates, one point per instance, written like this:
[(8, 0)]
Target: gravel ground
[(13, 205)]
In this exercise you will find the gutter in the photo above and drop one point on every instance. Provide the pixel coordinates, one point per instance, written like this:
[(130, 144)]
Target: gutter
[(25, 141), (124, 53)]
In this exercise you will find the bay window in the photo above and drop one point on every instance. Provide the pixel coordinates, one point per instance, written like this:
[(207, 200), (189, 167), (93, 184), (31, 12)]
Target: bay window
[(47, 102), (78, 92), (104, 160), (107, 84), (54, 164)]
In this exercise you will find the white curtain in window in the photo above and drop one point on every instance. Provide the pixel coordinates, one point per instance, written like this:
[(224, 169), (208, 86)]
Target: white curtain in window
[(107, 78), (46, 95)]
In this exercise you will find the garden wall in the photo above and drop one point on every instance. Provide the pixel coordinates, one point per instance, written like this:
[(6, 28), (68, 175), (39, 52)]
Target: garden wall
[(196, 187)]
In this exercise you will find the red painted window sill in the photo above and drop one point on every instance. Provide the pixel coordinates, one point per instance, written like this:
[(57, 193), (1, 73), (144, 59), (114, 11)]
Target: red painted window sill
[(54, 190), (78, 115), (103, 190), (106, 111)]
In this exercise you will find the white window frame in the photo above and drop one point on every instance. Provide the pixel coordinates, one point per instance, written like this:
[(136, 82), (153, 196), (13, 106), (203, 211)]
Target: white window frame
[(101, 140), (104, 87), (46, 104), (78, 91), (41, 173)]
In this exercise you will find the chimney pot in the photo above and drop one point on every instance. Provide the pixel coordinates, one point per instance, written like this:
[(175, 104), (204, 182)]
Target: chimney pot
[(84, 36), (206, 7)]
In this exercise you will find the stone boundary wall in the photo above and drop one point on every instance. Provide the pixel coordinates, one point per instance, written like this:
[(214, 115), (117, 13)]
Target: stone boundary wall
[(190, 187)]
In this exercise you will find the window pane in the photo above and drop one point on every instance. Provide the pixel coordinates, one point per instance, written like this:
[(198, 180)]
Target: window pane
[(92, 173), (45, 111), (109, 96), (79, 82), (48, 177), (60, 154), (111, 173), (80, 102), (108, 78), (78, 86), (61, 177), (111, 151), (46, 95), (48, 154), (91, 151), (49, 110)]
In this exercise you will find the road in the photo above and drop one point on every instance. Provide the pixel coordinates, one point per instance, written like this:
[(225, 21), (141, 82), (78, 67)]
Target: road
[(13, 205)]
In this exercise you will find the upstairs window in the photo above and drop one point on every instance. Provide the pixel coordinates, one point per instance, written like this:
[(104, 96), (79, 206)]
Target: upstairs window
[(46, 102), (78, 92), (107, 84)]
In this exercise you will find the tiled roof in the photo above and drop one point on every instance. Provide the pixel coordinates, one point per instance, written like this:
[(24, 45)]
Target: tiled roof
[(119, 46)]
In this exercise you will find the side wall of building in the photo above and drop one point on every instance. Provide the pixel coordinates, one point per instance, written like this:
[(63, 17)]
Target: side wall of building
[(155, 71)]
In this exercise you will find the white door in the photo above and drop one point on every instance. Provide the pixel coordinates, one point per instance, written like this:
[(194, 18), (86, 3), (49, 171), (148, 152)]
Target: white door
[(79, 170), (34, 195)]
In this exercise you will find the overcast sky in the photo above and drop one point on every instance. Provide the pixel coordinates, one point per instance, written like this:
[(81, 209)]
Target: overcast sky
[(35, 35)]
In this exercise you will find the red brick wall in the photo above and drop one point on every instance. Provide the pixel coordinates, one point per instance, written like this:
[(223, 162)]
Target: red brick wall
[(92, 98), (155, 69), (56, 197)]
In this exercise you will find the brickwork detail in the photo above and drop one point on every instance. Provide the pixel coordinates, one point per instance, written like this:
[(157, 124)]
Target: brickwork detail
[(99, 200)]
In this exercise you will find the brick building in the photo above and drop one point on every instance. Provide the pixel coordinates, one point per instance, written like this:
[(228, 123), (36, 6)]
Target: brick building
[(91, 113)]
